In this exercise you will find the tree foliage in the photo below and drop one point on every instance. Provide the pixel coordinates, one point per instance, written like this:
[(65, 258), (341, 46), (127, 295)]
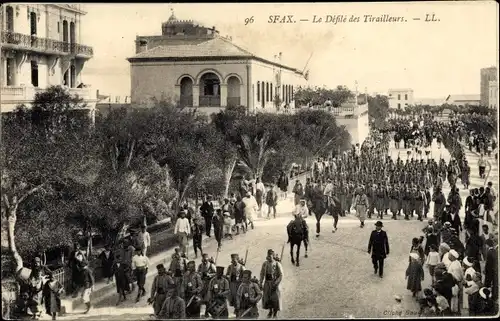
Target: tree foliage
[(314, 96)]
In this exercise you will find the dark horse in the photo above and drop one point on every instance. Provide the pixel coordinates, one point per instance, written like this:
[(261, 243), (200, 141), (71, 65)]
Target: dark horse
[(297, 232), (320, 206)]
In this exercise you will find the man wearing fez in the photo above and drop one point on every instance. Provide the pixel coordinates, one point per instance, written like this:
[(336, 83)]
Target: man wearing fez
[(193, 288), (218, 290), (234, 273), (162, 283), (247, 297), (378, 246), (271, 275)]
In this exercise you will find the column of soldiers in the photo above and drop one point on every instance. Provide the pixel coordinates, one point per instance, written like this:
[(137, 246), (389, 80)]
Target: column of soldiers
[(180, 291), (402, 187)]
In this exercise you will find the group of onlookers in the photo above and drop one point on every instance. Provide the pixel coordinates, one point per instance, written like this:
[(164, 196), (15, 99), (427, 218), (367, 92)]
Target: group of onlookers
[(464, 275)]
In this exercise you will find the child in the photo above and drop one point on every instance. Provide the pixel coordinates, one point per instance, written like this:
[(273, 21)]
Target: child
[(432, 261), (414, 274)]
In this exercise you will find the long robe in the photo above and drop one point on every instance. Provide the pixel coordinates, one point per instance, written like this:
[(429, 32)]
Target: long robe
[(234, 274), (415, 275), (272, 273)]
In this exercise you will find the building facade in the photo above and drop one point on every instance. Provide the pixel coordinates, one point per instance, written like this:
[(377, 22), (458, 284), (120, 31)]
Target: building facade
[(400, 98), (487, 75), (463, 100), (197, 68), (41, 46), (493, 94)]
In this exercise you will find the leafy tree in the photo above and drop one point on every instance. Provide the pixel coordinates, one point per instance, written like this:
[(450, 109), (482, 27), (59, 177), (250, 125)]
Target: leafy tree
[(378, 109), (318, 96), (41, 148)]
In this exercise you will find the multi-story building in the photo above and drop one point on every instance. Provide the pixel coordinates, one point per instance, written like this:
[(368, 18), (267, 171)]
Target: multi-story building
[(400, 98), (487, 75), (41, 46), (196, 67), (493, 94)]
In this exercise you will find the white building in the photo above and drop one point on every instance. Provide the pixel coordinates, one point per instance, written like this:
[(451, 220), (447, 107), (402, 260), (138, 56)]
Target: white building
[(196, 67), (493, 94), (400, 98), (41, 46)]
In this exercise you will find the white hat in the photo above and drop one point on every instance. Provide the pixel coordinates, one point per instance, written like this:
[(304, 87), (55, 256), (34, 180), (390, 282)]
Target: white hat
[(454, 254), (467, 262), (414, 256), (485, 293), (447, 224)]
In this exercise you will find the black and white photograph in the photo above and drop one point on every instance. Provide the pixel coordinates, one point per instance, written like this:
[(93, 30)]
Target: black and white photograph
[(333, 160)]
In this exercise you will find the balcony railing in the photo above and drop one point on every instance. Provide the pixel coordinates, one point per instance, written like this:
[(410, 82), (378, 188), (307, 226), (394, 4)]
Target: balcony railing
[(44, 44), (233, 101), (209, 101), (186, 101)]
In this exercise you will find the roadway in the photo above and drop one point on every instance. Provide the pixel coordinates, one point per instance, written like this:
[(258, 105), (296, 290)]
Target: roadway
[(337, 279)]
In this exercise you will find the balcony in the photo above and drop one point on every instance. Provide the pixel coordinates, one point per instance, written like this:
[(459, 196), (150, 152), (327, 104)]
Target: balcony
[(18, 41), (209, 101), (12, 96)]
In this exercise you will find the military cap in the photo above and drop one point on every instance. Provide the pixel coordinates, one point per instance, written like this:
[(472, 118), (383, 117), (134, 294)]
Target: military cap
[(247, 273), (220, 269), (160, 267), (234, 255), (270, 252)]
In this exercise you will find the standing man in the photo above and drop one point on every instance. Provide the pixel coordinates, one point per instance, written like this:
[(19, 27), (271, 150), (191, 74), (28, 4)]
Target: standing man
[(174, 307), (271, 275), (88, 286), (146, 239), (182, 230), (193, 287), (283, 183), (271, 201), (482, 163), (140, 265), (234, 273), (207, 211), (197, 231), (298, 192), (218, 290), (378, 246), (247, 297), (249, 208), (259, 195), (162, 283)]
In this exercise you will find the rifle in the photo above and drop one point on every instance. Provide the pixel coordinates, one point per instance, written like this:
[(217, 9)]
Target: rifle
[(245, 312), (282, 250), (246, 255)]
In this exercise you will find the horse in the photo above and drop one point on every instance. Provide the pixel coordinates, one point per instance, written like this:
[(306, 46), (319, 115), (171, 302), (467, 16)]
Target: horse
[(297, 232), (319, 207)]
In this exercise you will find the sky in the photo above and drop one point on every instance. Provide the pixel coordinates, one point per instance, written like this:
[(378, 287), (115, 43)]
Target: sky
[(433, 58)]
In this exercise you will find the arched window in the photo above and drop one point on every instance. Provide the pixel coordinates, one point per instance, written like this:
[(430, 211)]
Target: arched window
[(291, 92), (258, 90), (271, 92), (267, 91), (283, 93), (34, 73)]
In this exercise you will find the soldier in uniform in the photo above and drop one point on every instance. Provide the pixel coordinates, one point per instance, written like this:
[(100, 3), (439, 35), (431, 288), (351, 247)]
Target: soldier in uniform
[(247, 297), (387, 198), (420, 201), (371, 200), (173, 307), (349, 196), (394, 199), (234, 273), (193, 288), (270, 279), (218, 290), (379, 200), (439, 203), (178, 267), (207, 271), (406, 201), (162, 284)]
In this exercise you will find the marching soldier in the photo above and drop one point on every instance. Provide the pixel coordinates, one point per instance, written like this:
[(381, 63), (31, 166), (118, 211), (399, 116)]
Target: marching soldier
[(419, 199), (173, 307), (406, 201), (234, 273), (371, 194), (207, 271), (270, 279), (193, 288), (218, 290), (178, 267), (247, 297), (394, 200), (439, 203), (162, 285)]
